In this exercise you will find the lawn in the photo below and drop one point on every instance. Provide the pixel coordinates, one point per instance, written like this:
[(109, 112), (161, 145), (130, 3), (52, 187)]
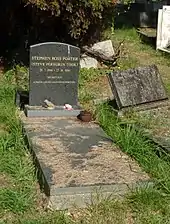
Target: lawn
[(21, 200)]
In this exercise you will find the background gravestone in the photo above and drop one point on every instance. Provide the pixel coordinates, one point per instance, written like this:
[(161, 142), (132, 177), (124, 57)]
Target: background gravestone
[(163, 28), (137, 86), (53, 74)]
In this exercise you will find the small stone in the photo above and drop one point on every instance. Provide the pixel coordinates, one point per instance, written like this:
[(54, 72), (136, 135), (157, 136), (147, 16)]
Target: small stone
[(88, 62), (105, 47), (48, 104)]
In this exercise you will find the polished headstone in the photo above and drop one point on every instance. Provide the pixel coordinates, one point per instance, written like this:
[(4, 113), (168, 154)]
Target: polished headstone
[(53, 74)]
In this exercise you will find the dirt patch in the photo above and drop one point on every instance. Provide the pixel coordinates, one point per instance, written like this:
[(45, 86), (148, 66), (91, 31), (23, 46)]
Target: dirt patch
[(4, 181), (100, 87), (3, 129)]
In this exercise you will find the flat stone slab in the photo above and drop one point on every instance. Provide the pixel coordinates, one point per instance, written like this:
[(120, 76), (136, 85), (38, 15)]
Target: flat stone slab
[(137, 86), (54, 112), (75, 158)]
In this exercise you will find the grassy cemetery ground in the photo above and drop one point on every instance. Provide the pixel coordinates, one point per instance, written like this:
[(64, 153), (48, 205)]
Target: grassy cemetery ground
[(20, 198)]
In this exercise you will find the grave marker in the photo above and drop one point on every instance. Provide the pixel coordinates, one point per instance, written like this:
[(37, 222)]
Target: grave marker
[(137, 86), (163, 29), (53, 76)]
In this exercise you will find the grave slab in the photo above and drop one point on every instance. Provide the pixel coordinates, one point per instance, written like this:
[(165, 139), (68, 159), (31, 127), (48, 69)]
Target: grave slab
[(133, 87), (148, 35), (75, 159), (54, 112)]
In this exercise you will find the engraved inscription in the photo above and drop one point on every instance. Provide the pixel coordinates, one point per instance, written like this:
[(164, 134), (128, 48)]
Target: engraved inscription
[(54, 77), (137, 86), (53, 66), (38, 58), (61, 82), (57, 64)]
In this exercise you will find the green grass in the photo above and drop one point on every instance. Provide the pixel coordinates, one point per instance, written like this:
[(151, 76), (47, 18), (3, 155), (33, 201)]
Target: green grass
[(107, 211), (135, 143), (50, 217), (15, 162), (19, 195), (150, 206)]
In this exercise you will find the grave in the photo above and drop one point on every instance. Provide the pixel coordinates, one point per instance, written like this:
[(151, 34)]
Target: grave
[(77, 161), (140, 87), (53, 77), (147, 35), (163, 29), (73, 158)]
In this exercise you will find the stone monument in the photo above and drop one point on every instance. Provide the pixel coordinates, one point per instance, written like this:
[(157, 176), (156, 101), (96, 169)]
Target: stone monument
[(53, 80), (137, 86), (163, 29)]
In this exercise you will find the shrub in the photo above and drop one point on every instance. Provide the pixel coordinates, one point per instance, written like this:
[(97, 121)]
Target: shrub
[(77, 15)]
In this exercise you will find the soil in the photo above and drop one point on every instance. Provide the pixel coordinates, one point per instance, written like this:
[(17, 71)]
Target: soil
[(4, 181), (100, 87)]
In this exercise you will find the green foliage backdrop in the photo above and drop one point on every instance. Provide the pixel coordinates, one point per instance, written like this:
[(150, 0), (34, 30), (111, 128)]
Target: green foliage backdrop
[(77, 15)]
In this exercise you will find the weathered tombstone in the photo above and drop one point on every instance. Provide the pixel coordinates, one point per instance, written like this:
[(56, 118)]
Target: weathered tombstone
[(53, 76), (137, 86), (144, 19), (163, 29)]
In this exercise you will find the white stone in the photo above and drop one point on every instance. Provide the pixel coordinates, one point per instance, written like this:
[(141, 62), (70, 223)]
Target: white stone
[(88, 62), (105, 47), (159, 30), (163, 28), (166, 27)]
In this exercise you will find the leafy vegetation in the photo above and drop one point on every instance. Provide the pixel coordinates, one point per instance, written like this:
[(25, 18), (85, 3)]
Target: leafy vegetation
[(135, 143), (78, 16), (16, 167)]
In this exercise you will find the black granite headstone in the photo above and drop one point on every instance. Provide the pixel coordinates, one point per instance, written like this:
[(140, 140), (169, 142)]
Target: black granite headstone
[(53, 74), (137, 86)]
